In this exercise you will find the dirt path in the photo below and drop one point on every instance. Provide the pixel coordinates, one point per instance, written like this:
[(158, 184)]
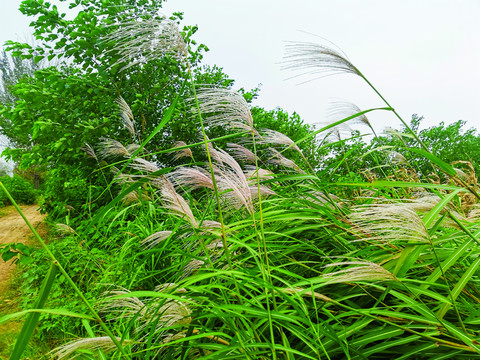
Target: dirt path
[(13, 229)]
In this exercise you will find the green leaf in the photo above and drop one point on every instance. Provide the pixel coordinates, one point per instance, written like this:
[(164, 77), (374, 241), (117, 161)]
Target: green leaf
[(447, 168), (33, 315)]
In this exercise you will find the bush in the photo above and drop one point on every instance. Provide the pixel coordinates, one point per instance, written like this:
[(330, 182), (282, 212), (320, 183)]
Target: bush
[(20, 189)]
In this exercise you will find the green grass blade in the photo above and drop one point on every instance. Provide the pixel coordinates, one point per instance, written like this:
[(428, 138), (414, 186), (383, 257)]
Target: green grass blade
[(61, 312), (447, 168), (430, 217), (452, 259), (467, 276), (32, 320)]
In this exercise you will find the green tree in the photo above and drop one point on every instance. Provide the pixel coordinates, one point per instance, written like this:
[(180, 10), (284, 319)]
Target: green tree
[(53, 114)]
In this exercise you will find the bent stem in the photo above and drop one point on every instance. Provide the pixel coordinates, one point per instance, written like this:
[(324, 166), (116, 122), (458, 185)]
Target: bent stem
[(64, 273)]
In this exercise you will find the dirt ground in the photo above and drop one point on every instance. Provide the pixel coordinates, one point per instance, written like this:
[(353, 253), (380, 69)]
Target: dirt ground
[(13, 229)]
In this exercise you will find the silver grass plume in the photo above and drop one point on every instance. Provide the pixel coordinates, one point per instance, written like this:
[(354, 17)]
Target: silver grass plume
[(134, 197), (320, 198), (341, 109), (387, 223), (252, 173), (153, 240), (163, 312), (110, 148), (275, 137), (191, 177), (397, 158), (64, 229), (241, 153), (315, 59), (175, 202), (87, 148), (425, 202), (306, 293), (68, 350), (277, 158), (363, 271), (131, 148), (120, 178), (233, 184), (170, 286), (211, 149), (143, 165), (192, 267), (142, 40), (264, 191), (126, 115), (226, 108), (181, 153)]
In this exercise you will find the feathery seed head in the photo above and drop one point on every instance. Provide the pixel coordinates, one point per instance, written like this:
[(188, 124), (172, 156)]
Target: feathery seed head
[(134, 197), (341, 109), (64, 229), (226, 108), (89, 151), (164, 312), (241, 153), (316, 59), (153, 240), (131, 148), (110, 148), (275, 137), (397, 158), (252, 173), (143, 165), (305, 292), (278, 159), (192, 177), (364, 271), (126, 115), (143, 40), (264, 191), (68, 350), (181, 153), (388, 223), (176, 203)]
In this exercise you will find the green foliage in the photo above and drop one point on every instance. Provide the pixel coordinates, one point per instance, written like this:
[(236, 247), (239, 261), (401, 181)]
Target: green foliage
[(394, 152), (12, 70), (85, 267), (19, 252), (20, 189), (74, 105)]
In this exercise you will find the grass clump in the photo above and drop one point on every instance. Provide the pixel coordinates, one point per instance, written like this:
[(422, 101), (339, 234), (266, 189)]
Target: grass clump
[(241, 252)]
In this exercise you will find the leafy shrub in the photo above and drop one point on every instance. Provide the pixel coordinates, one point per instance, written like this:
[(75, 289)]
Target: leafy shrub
[(20, 189), (67, 190)]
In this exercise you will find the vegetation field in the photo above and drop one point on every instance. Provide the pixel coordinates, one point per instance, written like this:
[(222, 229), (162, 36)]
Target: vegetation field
[(186, 223)]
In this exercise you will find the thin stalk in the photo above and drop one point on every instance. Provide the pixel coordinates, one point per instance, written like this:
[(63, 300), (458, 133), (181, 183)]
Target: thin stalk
[(265, 251)]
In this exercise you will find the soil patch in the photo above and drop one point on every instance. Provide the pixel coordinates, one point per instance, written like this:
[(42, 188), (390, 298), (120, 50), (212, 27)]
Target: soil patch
[(13, 229)]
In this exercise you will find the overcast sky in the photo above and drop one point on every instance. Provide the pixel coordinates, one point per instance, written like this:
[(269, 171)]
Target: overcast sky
[(423, 56)]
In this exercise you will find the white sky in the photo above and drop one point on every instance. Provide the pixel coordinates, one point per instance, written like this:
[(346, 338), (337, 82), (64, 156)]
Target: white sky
[(423, 56)]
